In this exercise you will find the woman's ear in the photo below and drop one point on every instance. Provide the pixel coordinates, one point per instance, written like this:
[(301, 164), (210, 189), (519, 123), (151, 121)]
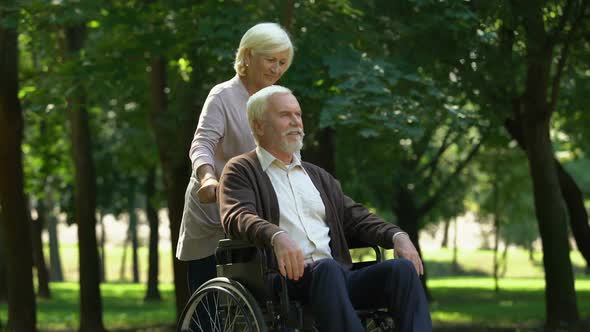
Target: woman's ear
[(247, 57)]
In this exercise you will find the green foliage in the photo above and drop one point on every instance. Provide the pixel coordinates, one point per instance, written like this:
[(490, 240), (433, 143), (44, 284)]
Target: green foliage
[(395, 110), (506, 195), (408, 89)]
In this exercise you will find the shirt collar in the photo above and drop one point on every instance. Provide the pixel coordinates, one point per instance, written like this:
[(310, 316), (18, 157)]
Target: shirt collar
[(267, 159)]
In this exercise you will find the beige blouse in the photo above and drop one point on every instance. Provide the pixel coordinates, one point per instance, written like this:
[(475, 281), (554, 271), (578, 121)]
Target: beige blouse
[(223, 132)]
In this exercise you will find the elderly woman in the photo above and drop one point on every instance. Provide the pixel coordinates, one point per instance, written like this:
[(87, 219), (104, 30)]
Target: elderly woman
[(265, 53)]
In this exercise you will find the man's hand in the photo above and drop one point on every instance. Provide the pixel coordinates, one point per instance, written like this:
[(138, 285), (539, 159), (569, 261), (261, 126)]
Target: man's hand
[(404, 248), (207, 193), (289, 256)]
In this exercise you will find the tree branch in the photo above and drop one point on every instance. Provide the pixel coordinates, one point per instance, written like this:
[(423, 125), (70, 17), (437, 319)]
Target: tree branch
[(422, 145), (441, 150), (431, 202)]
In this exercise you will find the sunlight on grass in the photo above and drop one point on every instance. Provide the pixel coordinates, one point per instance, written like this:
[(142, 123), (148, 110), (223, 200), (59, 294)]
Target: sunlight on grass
[(519, 302), (113, 260), (450, 316), (581, 284), (468, 298), (123, 307)]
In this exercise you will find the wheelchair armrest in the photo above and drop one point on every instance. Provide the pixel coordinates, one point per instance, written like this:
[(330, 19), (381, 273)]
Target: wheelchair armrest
[(235, 251), (358, 244), (233, 244)]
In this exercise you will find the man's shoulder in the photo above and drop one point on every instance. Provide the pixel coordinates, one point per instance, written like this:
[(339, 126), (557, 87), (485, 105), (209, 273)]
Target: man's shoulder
[(248, 159), (316, 171), (312, 167)]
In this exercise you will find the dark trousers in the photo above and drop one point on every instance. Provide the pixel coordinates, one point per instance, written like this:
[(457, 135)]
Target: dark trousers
[(199, 271), (334, 292)]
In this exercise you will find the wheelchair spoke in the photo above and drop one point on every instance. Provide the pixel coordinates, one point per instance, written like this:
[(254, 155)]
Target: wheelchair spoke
[(227, 319), (222, 306), (216, 321), (196, 322), (210, 318), (227, 316)]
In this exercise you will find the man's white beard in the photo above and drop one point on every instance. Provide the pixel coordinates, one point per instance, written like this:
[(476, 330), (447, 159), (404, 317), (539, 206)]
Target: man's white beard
[(291, 147)]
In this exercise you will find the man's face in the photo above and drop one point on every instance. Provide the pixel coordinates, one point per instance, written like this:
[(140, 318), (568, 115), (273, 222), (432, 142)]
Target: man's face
[(281, 130)]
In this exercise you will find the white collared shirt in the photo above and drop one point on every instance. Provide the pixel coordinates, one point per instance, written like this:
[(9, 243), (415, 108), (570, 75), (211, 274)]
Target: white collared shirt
[(302, 212)]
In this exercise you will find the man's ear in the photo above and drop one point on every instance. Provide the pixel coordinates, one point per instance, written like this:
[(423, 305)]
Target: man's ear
[(257, 127)]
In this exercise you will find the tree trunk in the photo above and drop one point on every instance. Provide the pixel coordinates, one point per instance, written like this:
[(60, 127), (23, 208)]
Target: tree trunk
[(102, 262), (561, 307), (572, 195), (133, 237), (85, 194), (560, 295), (38, 255), (13, 210), (327, 150), (173, 143), (152, 293), (3, 281), (124, 256), (531, 251), (578, 217), (503, 264), (455, 261), (319, 146), (445, 241), (496, 247), (56, 272), (288, 11), (496, 211)]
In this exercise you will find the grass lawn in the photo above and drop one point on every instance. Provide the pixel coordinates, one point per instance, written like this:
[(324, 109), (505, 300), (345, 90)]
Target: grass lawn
[(464, 298), (123, 307), (459, 301), (473, 301)]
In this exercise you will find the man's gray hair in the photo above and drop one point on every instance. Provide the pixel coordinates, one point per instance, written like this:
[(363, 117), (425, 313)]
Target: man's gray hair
[(265, 39), (258, 104)]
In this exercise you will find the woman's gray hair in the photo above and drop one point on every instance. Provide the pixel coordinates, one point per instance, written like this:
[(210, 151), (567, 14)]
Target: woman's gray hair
[(258, 104), (265, 39)]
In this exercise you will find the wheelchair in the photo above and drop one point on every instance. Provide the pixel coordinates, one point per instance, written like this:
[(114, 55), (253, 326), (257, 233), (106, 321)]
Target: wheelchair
[(241, 298)]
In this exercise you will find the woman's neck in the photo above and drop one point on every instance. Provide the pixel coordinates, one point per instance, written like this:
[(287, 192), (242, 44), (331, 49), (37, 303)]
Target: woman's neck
[(250, 87)]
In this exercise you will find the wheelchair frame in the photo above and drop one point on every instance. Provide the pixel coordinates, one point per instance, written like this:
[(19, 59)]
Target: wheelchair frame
[(240, 298)]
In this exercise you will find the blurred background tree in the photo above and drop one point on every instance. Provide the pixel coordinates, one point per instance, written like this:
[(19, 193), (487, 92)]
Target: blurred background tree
[(424, 110)]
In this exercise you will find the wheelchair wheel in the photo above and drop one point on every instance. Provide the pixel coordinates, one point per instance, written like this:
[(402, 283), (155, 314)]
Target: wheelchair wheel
[(222, 305), (377, 321)]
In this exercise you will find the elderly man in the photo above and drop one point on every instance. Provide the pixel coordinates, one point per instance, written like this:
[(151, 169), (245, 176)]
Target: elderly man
[(272, 199)]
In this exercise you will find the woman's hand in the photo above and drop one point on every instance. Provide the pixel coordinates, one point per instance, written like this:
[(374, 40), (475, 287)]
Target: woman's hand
[(207, 193)]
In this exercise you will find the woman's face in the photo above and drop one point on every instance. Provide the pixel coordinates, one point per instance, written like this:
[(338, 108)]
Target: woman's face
[(266, 69)]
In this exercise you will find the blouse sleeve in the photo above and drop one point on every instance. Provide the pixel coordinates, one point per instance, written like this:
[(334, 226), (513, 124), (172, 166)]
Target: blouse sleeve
[(210, 130)]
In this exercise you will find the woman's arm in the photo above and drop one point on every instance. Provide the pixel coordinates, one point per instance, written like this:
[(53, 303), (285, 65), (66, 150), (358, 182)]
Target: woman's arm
[(207, 192)]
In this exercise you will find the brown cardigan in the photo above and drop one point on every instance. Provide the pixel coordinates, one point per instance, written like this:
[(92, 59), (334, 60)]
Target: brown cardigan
[(250, 210)]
